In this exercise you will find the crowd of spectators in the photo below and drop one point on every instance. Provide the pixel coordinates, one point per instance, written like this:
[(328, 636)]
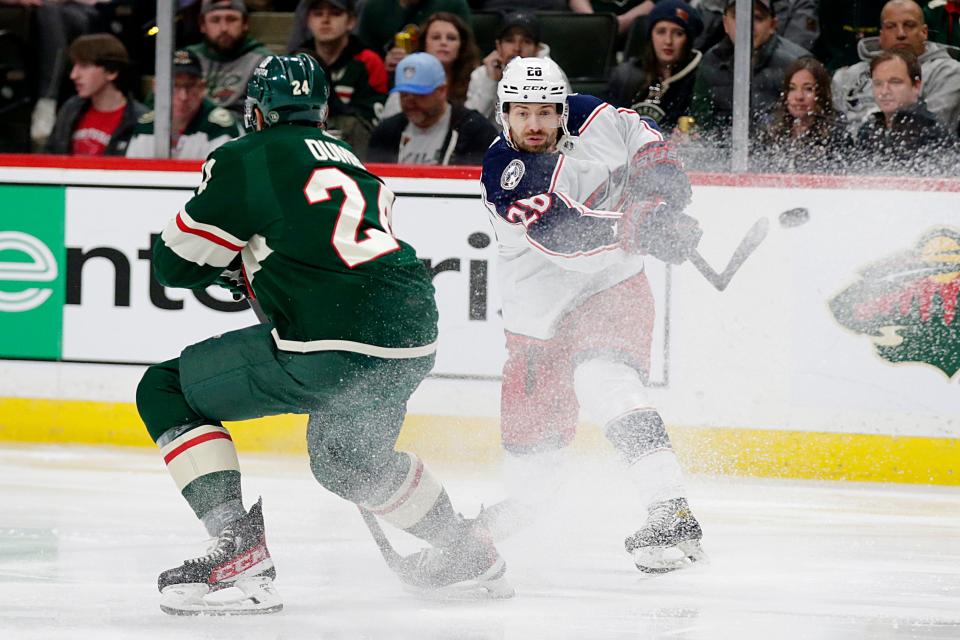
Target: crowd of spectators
[(863, 86)]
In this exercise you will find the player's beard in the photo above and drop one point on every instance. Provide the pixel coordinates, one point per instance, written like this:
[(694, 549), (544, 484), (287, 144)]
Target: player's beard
[(546, 146)]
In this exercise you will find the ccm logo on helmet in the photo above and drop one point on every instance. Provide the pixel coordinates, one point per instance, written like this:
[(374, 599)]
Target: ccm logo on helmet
[(535, 87)]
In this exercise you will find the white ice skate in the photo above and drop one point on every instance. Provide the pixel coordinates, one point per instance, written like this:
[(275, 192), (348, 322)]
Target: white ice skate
[(470, 569), (235, 577), (669, 540)]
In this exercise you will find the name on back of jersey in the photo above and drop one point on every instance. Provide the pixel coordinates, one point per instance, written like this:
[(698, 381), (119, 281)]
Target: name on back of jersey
[(329, 152)]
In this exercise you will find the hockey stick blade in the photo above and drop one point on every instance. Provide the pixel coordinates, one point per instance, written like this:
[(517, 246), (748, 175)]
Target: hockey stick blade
[(720, 281)]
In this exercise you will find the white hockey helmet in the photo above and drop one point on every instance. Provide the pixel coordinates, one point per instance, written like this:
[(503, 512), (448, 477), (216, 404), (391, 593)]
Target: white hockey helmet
[(532, 80)]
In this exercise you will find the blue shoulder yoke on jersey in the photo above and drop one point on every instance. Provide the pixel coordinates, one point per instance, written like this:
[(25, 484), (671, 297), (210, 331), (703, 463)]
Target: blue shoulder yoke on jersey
[(509, 174), (581, 106), (518, 186)]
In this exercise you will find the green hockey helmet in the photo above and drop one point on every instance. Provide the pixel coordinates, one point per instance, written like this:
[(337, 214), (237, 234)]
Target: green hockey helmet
[(287, 89)]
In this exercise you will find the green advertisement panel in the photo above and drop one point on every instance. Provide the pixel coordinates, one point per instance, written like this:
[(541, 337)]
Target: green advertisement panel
[(32, 265)]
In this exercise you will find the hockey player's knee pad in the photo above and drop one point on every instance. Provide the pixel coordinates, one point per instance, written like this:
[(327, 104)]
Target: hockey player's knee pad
[(606, 389), (638, 434), (160, 400)]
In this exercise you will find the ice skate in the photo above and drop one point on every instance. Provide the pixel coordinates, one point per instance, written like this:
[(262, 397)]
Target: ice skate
[(470, 568), (235, 577), (669, 540)]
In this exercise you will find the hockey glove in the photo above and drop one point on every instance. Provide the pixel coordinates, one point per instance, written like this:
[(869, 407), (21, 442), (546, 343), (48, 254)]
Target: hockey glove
[(232, 279), (657, 229), (656, 172)]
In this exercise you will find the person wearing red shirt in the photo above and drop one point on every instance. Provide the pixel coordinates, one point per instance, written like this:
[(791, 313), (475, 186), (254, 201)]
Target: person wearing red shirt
[(100, 119)]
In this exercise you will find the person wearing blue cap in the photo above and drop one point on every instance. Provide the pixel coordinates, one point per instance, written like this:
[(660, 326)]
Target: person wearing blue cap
[(659, 83), (429, 130)]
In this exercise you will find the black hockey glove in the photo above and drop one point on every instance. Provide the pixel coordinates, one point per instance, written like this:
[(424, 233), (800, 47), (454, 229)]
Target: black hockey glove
[(232, 279), (660, 230)]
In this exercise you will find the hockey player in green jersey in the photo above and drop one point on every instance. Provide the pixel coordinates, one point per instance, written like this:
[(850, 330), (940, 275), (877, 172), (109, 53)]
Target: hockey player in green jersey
[(290, 214)]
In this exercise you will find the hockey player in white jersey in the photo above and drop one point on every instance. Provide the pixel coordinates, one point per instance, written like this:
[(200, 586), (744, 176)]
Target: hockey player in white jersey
[(578, 193)]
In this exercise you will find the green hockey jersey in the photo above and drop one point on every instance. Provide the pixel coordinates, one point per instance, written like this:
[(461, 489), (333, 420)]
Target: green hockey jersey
[(312, 227)]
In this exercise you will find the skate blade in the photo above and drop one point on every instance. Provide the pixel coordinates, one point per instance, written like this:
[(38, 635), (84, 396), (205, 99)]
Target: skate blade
[(492, 585), (657, 560), (247, 596), (499, 589)]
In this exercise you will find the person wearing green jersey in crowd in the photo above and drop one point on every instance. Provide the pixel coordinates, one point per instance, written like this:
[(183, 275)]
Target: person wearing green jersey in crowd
[(291, 216), (197, 127)]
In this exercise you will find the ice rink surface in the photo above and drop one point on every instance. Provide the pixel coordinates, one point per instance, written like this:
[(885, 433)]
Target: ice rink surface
[(85, 531)]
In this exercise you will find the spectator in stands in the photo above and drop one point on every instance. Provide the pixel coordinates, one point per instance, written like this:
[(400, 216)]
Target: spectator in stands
[(627, 11), (713, 92), (450, 40), (843, 25), (808, 134), (519, 35), (903, 136), (659, 83), (430, 130), (796, 21), (198, 126), (100, 119), (382, 20), (943, 19), (357, 75), (58, 23), (901, 28), (228, 54)]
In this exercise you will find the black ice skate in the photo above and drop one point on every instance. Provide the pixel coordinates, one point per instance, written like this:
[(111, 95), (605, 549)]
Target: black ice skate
[(235, 577), (469, 568), (669, 540)]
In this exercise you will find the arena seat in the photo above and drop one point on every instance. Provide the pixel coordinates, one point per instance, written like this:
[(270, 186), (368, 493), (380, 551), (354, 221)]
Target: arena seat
[(272, 28), (15, 95), (581, 43), (636, 38), (16, 21), (485, 25), (596, 88)]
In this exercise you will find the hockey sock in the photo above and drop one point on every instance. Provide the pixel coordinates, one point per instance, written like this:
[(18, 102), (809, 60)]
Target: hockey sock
[(642, 440), (420, 506), (216, 519), (203, 463), (199, 453), (637, 434)]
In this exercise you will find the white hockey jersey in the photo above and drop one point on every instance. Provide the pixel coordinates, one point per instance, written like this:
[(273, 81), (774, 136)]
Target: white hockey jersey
[(555, 214)]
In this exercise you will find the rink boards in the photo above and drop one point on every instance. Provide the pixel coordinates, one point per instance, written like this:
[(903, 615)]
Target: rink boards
[(833, 353)]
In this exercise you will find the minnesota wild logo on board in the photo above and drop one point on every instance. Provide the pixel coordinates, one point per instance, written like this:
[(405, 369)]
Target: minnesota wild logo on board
[(907, 303)]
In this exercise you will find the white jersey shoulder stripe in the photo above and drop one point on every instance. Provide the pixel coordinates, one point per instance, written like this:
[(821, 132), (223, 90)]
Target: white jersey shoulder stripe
[(198, 248), (211, 232)]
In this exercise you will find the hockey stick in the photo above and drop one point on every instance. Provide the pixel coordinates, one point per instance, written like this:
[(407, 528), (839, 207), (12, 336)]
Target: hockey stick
[(747, 246), (390, 555), (754, 237)]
